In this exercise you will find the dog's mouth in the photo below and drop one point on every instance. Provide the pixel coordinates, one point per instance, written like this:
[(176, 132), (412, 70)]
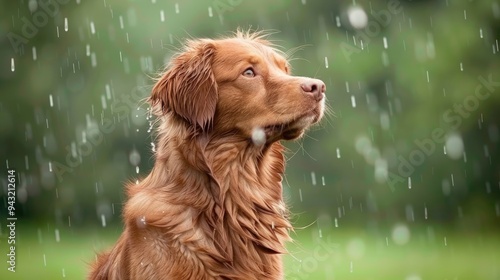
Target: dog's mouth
[(290, 130)]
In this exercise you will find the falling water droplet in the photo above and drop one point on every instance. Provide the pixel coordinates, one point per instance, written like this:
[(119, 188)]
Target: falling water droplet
[(385, 42), (33, 51), (66, 24), (92, 27), (103, 220), (12, 65), (300, 194), (210, 12), (51, 101), (162, 16), (313, 178), (177, 8), (353, 101), (409, 182), (58, 238), (338, 152), (326, 62)]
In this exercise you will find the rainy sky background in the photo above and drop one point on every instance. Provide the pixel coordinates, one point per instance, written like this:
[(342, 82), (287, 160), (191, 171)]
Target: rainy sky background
[(401, 181)]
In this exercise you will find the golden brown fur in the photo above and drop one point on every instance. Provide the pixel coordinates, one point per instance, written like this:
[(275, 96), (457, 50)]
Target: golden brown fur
[(212, 206)]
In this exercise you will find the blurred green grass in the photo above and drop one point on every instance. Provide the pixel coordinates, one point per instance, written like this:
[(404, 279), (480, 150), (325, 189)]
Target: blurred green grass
[(338, 254)]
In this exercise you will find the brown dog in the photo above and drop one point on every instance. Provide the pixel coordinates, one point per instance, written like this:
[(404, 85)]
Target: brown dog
[(212, 206)]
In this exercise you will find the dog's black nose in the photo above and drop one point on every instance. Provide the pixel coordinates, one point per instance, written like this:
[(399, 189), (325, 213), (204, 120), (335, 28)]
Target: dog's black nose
[(316, 88)]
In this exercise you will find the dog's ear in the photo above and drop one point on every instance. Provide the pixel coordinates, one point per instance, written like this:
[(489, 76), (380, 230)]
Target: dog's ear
[(188, 88)]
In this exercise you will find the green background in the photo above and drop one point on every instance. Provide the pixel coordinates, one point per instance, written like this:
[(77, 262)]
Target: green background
[(401, 180)]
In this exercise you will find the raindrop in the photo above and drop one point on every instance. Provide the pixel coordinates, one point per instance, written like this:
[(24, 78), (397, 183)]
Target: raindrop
[(326, 62), (454, 146), (461, 67), (336, 222), (353, 101), (445, 241), (120, 18), (313, 178), (351, 269), (33, 51), (162, 16), (12, 65), (400, 234), (427, 73), (300, 194), (425, 212), (141, 222), (323, 180), (92, 27), (134, 157), (465, 14), (409, 182), (338, 152), (210, 12), (103, 220), (58, 238), (93, 60), (258, 136), (108, 91), (87, 50), (177, 8), (385, 42), (137, 169), (337, 21), (480, 33), (103, 102), (57, 31), (32, 5), (63, 273), (452, 180), (347, 86), (51, 101), (50, 166), (44, 260), (66, 24), (357, 17)]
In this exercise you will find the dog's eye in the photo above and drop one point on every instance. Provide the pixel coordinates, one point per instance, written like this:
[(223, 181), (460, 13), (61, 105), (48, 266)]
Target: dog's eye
[(249, 73)]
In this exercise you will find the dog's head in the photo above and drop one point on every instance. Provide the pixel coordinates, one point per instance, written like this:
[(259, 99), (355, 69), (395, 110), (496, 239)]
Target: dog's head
[(239, 85)]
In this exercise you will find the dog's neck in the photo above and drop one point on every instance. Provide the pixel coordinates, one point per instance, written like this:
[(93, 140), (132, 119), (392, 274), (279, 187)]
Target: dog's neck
[(236, 188)]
